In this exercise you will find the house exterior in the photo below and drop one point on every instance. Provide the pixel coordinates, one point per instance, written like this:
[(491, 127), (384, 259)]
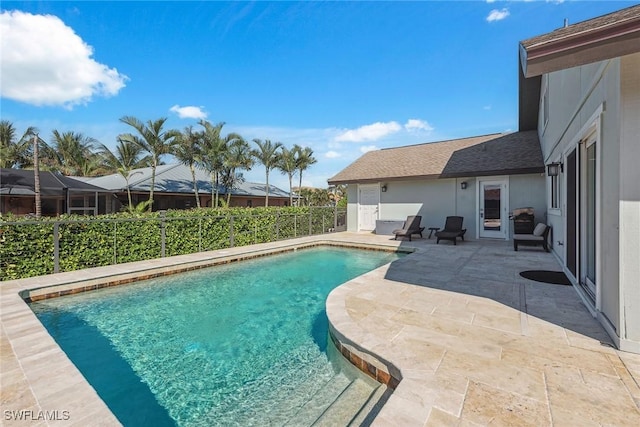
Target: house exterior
[(481, 178), (579, 105), (582, 83), (173, 189), (59, 194)]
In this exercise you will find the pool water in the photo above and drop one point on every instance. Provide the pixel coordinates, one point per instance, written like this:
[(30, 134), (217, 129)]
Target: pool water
[(238, 344)]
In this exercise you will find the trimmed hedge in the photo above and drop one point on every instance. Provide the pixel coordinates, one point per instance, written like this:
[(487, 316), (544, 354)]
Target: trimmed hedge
[(27, 245)]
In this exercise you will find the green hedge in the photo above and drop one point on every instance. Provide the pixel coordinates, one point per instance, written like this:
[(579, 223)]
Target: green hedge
[(27, 245)]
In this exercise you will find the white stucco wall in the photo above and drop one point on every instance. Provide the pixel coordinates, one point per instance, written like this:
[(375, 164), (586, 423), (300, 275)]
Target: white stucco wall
[(435, 199), (629, 204), (352, 207), (575, 97)]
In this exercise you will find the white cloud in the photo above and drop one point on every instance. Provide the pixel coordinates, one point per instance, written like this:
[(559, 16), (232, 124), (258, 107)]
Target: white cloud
[(491, 1), (498, 15), (370, 132), (44, 62), (487, 107), (417, 125), (332, 155), (189, 112), (367, 148)]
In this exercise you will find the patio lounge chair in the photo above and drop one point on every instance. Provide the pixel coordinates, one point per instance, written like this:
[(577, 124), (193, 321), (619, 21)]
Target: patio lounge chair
[(539, 237), (452, 229), (411, 226)]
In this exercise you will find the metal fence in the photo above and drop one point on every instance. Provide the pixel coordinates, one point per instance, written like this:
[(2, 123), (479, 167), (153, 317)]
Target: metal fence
[(31, 248)]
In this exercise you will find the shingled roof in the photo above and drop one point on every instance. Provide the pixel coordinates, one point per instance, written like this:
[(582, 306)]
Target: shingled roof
[(176, 178), (608, 36), (22, 182), (496, 154)]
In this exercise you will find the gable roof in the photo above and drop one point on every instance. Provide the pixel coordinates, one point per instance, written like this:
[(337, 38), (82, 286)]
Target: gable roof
[(176, 178), (22, 182), (605, 37), (496, 154)]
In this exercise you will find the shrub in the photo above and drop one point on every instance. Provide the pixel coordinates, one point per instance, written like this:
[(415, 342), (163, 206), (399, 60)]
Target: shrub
[(27, 246)]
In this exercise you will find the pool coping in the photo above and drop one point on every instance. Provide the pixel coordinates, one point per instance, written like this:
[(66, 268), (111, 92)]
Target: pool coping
[(42, 385)]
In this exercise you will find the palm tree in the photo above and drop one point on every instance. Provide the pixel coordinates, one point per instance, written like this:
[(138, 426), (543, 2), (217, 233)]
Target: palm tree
[(215, 149), (304, 160), (15, 153), (153, 139), (126, 158), (238, 157), (70, 153), (315, 196), (267, 155), (287, 165), (187, 150)]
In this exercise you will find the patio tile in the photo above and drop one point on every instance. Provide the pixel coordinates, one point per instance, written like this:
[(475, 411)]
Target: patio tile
[(486, 405), (438, 418), (511, 324), (516, 379), (538, 352), (591, 404), (416, 318)]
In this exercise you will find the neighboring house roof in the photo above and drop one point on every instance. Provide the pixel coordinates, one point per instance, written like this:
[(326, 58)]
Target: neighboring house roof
[(22, 182), (496, 154), (605, 37), (176, 178)]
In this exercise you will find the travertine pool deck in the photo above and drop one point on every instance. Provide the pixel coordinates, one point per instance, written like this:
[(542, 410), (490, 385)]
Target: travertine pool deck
[(472, 342)]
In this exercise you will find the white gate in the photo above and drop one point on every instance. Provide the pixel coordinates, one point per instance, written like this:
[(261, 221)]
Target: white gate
[(368, 201)]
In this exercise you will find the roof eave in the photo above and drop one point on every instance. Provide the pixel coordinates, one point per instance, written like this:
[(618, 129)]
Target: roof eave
[(580, 49), (472, 174)]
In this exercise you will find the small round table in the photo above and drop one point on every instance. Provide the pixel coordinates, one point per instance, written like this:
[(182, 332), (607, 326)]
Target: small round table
[(431, 230)]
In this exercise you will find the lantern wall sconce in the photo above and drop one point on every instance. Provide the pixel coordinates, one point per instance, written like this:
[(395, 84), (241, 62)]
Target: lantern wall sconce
[(384, 188), (554, 169), (463, 185)]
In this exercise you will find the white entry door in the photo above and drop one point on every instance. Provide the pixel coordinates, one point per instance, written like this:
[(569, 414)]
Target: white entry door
[(493, 209), (368, 200)]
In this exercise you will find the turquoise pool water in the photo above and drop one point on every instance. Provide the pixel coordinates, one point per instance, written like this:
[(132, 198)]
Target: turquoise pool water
[(238, 344)]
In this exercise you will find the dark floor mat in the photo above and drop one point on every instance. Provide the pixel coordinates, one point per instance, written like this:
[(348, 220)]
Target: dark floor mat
[(545, 276)]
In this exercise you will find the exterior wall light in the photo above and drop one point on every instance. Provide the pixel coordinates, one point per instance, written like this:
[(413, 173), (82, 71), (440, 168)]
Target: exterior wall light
[(554, 169), (463, 185), (384, 188)]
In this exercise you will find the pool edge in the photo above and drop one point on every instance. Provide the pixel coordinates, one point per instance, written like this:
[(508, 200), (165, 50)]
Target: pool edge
[(38, 377)]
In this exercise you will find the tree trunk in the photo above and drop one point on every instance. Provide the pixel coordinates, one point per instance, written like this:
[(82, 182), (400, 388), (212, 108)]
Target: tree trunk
[(213, 190), (195, 185), (300, 190), (266, 189), (129, 195), (290, 190), (36, 176), (217, 192), (153, 184)]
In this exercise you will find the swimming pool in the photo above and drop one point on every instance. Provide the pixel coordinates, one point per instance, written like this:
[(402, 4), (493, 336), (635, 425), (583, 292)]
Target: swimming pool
[(242, 344)]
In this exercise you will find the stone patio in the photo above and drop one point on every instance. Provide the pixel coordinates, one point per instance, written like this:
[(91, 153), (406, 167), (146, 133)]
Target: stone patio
[(472, 342), (476, 344)]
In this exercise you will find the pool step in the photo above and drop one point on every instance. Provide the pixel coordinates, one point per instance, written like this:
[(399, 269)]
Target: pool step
[(346, 407), (371, 408), (320, 401)]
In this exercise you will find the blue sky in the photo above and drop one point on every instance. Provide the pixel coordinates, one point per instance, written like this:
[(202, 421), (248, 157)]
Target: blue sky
[(339, 77)]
